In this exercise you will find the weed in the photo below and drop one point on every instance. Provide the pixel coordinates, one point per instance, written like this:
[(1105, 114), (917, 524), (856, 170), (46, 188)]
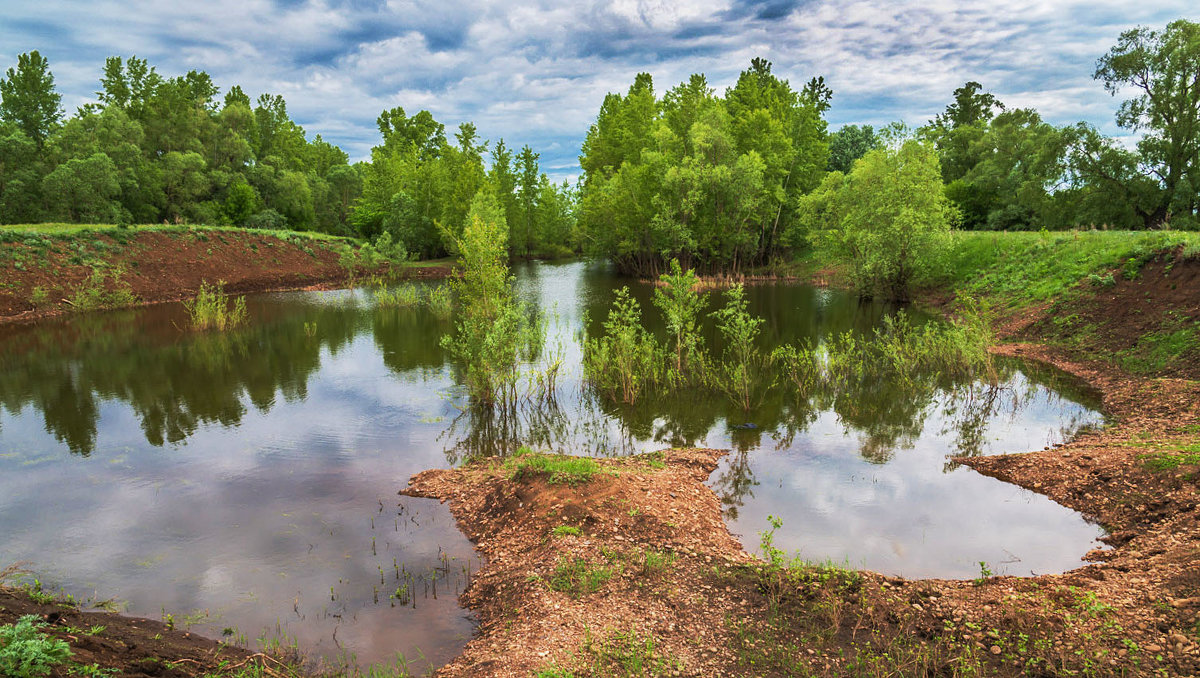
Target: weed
[(559, 468), (1167, 461), (211, 308), (657, 562), (626, 360), (985, 573), (566, 530), (25, 652), (403, 296), (577, 577), (93, 294), (742, 370), (627, 653), (39, 297)]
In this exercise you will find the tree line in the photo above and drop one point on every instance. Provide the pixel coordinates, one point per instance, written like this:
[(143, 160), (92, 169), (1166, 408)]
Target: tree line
[(154, 149), (749, 177), (721, 182)]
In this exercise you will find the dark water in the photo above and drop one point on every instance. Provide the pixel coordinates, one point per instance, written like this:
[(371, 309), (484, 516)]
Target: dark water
[(248, 480)]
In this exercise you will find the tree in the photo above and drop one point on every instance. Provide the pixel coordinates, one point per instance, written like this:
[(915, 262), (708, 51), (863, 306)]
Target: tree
[(848, 144), (82, 190), (888, 220), (1163, 69), (27, 97)]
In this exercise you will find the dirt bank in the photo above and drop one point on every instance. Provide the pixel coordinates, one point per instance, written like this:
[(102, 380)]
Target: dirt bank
[(38, 273), (126, 646)]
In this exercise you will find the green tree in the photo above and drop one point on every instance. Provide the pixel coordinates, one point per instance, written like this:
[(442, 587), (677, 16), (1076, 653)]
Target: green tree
[(82, 189), (491, 325), (27, 97), (848, 144), (1163, 70), (888, 220)]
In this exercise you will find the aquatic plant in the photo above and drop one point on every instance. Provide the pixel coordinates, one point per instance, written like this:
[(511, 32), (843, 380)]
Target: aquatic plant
[(212, 308), (742, 372), (681, 303), (626, 359), (402, 296)]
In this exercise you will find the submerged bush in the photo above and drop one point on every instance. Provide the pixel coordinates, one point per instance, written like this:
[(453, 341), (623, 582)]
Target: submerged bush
[(626, 359), (212, 308), (742, 372), (681, 304)]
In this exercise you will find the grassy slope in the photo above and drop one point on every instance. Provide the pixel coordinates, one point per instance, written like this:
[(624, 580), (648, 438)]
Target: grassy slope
[(1016, 270), (1053, 286)]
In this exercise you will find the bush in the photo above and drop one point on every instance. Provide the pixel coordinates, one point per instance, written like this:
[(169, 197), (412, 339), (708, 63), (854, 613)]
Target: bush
[(888, 220), (267, 219), (25, 652), (627, 358), (211, 308)]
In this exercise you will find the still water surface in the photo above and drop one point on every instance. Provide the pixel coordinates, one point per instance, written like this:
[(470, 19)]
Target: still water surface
[(247, 481)]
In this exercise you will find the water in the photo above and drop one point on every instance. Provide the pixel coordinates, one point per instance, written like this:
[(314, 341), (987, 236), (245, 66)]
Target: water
[(247, 481)]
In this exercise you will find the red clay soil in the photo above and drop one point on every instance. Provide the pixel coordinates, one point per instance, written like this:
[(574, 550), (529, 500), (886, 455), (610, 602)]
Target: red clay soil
[(169, 266), (130, 646)]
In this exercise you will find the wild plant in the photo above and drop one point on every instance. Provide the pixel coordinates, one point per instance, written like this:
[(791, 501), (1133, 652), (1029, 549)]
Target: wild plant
[(211, 308), (26, 652), (493, 326), (440, 301), (681, 304), (626, 358), (93, 294), (401, 296), (742, 371)]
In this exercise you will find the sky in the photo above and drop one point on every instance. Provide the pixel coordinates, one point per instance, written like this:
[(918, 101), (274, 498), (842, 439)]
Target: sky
[(536, 72)]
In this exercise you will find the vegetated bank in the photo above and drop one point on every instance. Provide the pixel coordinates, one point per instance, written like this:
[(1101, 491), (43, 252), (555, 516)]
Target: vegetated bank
[(48, 269), (624, 567)]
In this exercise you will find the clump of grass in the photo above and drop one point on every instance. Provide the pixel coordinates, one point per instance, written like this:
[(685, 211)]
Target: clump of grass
[(578, 577), (657, 562), (440, 301), (1161, 462), (402, 296), (212, 308), (39, 297), (628, 653), (566, 531), (26, 652), (94, 294), (559, 468)]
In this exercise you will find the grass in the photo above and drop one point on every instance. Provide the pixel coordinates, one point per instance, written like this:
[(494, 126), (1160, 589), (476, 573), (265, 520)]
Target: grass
[(577, 577), (70, 230), (1020, 269), (619, 653), (211, 309), (566, 531), (94, 293), (557, 468)]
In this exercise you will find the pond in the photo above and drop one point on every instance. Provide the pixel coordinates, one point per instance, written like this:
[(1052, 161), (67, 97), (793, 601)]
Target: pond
[(245, 483)]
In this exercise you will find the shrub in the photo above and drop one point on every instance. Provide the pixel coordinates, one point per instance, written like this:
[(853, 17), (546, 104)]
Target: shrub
[(627, 358), (25, 652), (267, 219)]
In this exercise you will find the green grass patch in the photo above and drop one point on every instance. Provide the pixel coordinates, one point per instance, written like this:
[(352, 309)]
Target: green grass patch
[(1163, 461), (1157, 351), (212, 308), (578, 577), (566, 531), (1019, 269), (557, 468), (94, 293)]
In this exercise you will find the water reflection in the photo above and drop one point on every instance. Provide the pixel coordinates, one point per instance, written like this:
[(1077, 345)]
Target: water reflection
[(253, 473)]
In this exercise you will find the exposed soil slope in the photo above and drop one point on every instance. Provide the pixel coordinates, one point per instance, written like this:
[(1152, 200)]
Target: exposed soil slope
[(130, 646), (166, 266)]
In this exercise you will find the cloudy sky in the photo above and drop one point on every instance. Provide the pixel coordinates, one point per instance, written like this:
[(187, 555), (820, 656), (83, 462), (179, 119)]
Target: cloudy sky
[(535, 72)]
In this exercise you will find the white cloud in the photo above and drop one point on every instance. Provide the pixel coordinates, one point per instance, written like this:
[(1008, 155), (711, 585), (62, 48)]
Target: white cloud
[(536, 73)]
